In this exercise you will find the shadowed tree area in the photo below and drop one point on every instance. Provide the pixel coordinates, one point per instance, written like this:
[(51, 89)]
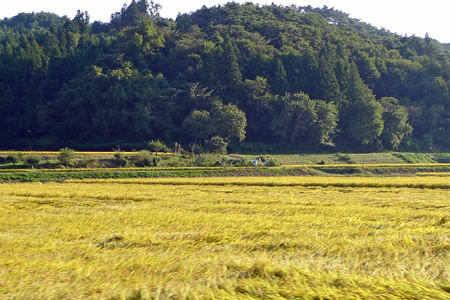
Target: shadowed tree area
[(308, 78)]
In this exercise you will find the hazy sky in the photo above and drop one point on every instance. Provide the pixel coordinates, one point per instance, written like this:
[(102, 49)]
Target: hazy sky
[(399, 16)]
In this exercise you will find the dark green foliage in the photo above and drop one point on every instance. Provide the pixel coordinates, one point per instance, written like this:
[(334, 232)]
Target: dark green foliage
[(396, 125), (305, 121), (230, 71)]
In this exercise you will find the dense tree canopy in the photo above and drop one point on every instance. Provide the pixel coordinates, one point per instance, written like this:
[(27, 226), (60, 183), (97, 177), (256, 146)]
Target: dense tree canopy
[(295, 75)]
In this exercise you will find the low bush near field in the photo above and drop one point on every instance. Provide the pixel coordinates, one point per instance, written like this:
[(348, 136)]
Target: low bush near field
[(65, 156), (32, 160), (121, 159), (145, 158)]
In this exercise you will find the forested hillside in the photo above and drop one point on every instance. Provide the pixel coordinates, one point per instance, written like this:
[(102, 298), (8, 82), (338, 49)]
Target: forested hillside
[(304, 77)]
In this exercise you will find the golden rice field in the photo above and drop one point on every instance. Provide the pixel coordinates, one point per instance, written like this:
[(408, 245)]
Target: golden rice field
[(227, 238), (441, 174)]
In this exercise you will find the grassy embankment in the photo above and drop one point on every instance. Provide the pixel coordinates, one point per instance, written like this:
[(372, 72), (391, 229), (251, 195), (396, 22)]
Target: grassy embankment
[(330, 170), (388, 164), (226, 238)]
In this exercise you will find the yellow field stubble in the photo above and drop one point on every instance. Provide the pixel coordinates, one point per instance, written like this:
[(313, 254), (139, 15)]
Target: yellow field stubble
[(306, 181), (226, 238)]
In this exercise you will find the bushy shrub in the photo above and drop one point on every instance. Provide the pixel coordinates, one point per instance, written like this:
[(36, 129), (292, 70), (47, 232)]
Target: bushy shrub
[(175, 161), (217, 145), (121, 159), (273, 163), (13, 158), (21, 156), (206, 160), (146, 159), (2, 160), (32, 160), (65, 156)]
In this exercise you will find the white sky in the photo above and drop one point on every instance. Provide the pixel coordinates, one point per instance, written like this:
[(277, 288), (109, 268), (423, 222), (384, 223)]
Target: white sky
[(400, 16)]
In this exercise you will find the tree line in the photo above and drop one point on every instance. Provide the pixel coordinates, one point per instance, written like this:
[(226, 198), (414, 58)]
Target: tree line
[(308, 78)]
